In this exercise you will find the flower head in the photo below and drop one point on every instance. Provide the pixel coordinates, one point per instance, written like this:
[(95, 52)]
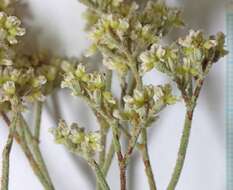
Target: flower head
[(76, 139)]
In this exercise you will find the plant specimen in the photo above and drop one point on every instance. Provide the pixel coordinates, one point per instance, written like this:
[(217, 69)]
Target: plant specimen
[(128, 36)]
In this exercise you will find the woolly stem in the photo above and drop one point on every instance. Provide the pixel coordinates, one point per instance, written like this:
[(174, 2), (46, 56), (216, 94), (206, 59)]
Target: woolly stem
[(182, 149), (190, 106)]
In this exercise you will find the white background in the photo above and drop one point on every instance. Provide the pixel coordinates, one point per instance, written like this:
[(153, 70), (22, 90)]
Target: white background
[(57, 26)]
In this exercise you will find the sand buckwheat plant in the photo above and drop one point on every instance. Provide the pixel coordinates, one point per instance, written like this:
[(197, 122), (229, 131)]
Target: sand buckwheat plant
[(128, 35)]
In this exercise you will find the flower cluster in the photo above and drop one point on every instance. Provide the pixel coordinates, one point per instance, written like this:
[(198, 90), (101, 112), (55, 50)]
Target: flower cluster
[(162, 17), (78, 78), (91, 86), (189, 58), (23, 77), (117, 35), (20, 83), (43, 64), (143, 106), (32, 77), (95, 8), (10, 28), (76, 139), (116, 63)]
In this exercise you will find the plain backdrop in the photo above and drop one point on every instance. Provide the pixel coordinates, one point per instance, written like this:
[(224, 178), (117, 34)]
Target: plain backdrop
[(57, 25)]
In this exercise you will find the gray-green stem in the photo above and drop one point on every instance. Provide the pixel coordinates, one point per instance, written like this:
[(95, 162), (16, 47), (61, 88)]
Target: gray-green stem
[(19, 137), (6, 154), (36, 150), (182, 149), (190, 106), (99, 175), (38, 113), (103, 132), (104, 128), (146, 161), (108, 160)]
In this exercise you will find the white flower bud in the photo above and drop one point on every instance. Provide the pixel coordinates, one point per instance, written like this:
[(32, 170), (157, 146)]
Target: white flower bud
[(9, 87)]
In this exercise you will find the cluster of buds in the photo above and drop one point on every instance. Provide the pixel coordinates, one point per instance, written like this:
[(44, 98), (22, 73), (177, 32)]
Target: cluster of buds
[(112, 25), (158, 54), (10, 28), (187, 59), (91, 86), (76, 139), (23, 77), (96, 7), (43, 64), (116, 63), (117, 35), (29, 78), (145, 26), (20, 83), (161, 17), (82, 82), (144, 106)]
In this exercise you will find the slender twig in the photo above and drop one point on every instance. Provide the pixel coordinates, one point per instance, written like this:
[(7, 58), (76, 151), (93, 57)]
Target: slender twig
[(103, 124), (146, 161), (108, 160), (103, 132), (121, 160), (21, 141), (6, 154), (36, 149), (56, 107), (99, 174), (38, 113), (104, 127), (34, 163)]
